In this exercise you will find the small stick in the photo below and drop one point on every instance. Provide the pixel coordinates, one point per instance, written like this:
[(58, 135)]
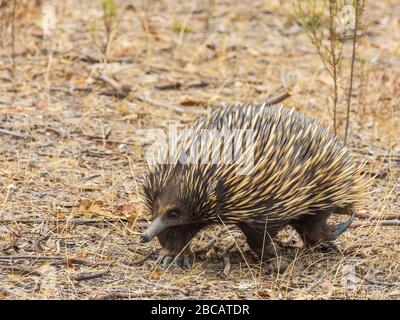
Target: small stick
[(279, 98), (13, 134), (82, 277), (127, 295), (227, 261), (69, 261), (72, 221), (171, 86), (362, 215), (9, 257), (107, 140), (211, 243), (59, 258), (198, 85), (111, 82), (144, 259), (122, 90), (381, 283), (19, 269), (160, 105), (163, 286), (386, 223), (364, 244), (115, 295), (316, 282)]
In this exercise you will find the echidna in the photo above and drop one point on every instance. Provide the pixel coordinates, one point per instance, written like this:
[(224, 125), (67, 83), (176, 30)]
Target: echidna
[(298, 174)]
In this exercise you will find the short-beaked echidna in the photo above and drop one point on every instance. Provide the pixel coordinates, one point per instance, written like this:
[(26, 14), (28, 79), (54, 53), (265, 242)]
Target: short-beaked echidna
[(299, 174)]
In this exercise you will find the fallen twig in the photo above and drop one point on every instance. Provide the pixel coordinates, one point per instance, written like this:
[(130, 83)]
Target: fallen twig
[(91, 59), (198, 85), (211, 243), (227, 261), (382, 283), (170, 86), (163, 286), (72, 221), (89, 276), (145, 258), (385, 223), (58, 258), (128, 295), (160, 105), (122, 91), (375, 216), (318, 281), (365, 244), (19, 269), (279, 98), (107, 140), (13, 134), (71, 261)]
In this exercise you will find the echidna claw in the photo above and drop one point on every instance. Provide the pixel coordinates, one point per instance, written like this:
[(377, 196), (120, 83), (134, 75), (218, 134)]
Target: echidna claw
[(184, 262), (166, 260), (276, 266), (328, 247), (342, 227)]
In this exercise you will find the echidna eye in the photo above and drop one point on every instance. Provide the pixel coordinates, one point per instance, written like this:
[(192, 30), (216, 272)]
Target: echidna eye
[(173, 215)]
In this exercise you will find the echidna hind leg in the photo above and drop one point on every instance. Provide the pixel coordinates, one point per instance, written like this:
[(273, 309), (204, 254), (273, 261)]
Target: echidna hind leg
[(314, 229), (175, 244), (342, 227), (260, 240)]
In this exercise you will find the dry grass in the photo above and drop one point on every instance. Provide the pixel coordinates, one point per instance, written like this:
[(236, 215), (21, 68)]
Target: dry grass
[(69, 150)]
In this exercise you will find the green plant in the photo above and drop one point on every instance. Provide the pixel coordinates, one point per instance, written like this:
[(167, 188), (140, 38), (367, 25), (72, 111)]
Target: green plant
[(110, 10), (358, 6), (324, 23)]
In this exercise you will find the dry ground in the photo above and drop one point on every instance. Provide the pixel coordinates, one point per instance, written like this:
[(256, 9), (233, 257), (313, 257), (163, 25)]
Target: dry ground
[(71, 154)]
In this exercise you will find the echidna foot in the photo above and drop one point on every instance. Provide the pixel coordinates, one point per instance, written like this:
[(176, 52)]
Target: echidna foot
[(183, 260), (326, 246), (276, 265)]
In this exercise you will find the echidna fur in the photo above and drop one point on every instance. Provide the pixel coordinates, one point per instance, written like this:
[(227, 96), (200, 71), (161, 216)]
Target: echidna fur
[(300, 171)]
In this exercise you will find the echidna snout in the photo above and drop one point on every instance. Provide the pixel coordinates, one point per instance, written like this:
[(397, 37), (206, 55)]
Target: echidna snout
[(164, 219), (157, 226)]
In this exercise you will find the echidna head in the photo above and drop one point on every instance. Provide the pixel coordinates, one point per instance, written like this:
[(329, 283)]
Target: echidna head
[(174, 199), (168, 210)]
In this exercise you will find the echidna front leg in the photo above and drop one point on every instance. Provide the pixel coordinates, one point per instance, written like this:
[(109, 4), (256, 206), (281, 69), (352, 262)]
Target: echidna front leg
[(259, 240), (175, 244)]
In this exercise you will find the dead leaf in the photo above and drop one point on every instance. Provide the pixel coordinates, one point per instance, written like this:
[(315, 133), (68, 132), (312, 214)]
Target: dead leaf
[(94, 208), (126, 208), (40, 106), (187, 102), (78, 80), (133, 116), (86, 204), (154, 275), (265, 293), (350, 280), (69, 263), (11, 110), (327, 288)]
